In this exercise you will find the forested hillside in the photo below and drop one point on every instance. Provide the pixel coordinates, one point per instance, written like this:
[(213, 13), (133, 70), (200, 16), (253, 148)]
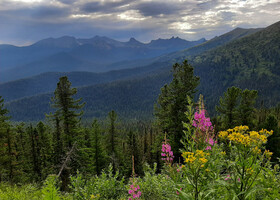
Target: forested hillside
[(132, 99), (46, 82), (250, 61)]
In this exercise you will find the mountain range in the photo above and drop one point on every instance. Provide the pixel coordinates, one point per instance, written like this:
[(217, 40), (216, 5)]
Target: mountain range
[(66, 54), (247, 58)]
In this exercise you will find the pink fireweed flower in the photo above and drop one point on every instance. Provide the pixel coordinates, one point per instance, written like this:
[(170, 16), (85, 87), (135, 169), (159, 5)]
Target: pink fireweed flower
[(204, 129), (166, 154), (210, 141), (134, 192), (201, 121), (178, 192), (227, 178), (208, 148)]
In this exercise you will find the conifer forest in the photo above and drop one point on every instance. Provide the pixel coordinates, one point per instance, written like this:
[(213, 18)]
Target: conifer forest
[(139, 100), (181, 154)]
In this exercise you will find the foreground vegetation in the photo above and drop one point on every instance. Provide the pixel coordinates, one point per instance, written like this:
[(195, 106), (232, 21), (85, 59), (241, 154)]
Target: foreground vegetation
[(182, 155), (236, 167)]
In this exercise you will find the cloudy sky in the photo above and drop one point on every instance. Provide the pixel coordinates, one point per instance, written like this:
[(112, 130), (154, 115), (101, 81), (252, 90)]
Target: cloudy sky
[(25, 21)]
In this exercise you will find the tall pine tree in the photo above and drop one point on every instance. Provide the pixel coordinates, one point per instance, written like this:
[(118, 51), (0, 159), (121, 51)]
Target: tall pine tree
[(246, 110), (5, 143), (112, 139), (228, 107), (66, 109), (237, 107), (172, 103), (99, 157), (66, 118)]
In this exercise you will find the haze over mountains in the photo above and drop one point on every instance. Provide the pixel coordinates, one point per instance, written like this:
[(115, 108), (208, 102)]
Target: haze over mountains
[(66, 54), (248, 58)]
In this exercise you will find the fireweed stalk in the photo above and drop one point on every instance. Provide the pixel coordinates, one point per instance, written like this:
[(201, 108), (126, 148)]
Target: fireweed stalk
[(134, 189), (199, 133), (198, 140), (204, 133), (167, 153)]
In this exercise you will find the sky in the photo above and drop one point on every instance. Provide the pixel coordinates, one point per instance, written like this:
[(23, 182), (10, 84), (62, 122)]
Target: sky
[(23, 22)]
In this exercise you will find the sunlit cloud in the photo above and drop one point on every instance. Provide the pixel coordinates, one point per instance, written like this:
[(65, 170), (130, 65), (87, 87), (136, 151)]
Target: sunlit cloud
[(27, 1), (22, 21), (131, 15)]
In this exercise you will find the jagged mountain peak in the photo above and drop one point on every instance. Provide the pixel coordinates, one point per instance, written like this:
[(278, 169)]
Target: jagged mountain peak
[(134, 42), (61, 42)]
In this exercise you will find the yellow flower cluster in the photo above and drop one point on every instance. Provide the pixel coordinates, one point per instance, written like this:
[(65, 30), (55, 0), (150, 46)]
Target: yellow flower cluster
[(250, 171), (94, 197), (239, 138), (267, 154), (223, 134), (256, 150), (256, 136), (240, 128), (266, 132), (198, 157), (241, 135), (203, 160), (189, 157)]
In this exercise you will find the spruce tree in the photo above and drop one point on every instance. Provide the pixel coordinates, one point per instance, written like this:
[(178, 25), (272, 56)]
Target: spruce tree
[(57, 140), (273, 142), (172, 103), (112, 139), (66, 109), (3, 112), (237, 107), (35, 153), (98, 149), (134, 150), (5, 143), (66, 118), (228, 107), (246, 110), (45, 148)]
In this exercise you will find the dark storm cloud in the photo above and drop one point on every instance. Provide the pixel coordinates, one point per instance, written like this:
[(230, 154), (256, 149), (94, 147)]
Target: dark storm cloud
[(227, 16), (46, 12), (158, 8), (68, 2)]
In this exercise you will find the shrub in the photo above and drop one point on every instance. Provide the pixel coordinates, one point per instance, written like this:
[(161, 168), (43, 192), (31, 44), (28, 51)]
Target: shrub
[(105, 186)]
